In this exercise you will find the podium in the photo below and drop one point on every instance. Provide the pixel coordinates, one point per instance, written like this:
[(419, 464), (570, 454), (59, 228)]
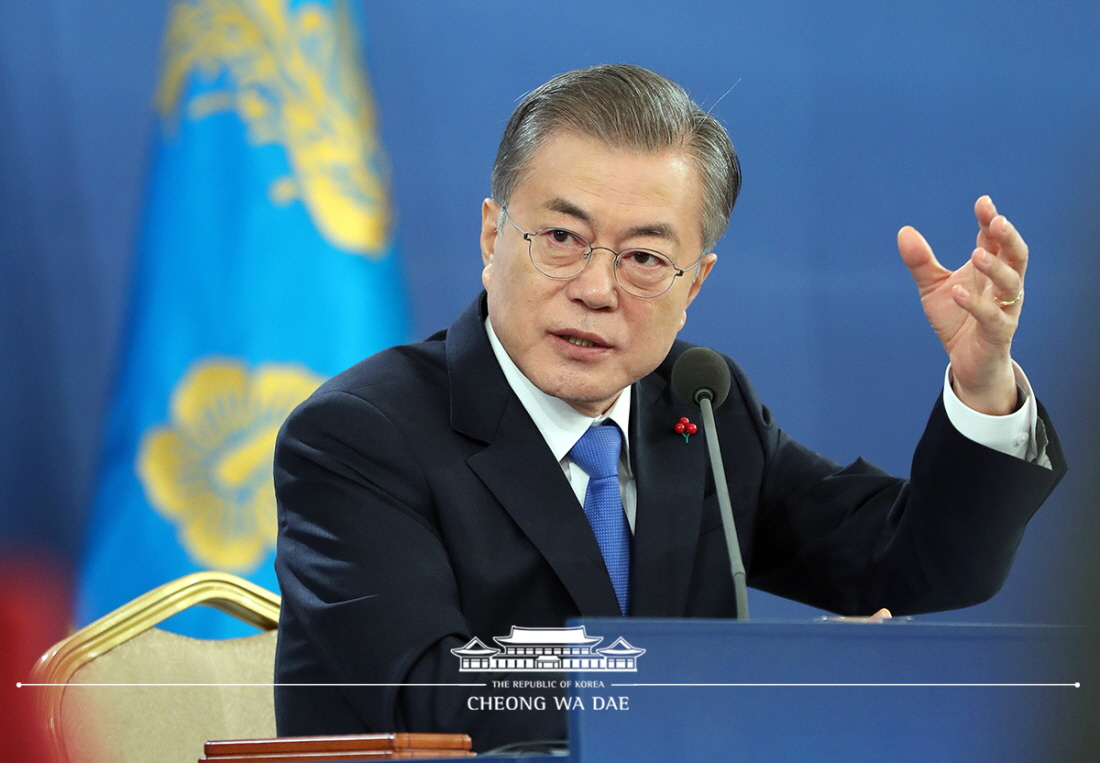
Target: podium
[(819, 691), (831, 691)]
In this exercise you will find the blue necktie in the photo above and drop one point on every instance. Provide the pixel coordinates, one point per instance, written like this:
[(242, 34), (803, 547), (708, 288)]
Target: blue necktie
[(597, 452)]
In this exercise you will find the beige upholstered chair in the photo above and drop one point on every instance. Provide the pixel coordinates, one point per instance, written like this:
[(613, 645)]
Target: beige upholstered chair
[(124, 691)]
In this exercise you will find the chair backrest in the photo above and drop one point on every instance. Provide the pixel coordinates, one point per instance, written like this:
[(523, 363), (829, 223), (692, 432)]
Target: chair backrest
[(124, 691)]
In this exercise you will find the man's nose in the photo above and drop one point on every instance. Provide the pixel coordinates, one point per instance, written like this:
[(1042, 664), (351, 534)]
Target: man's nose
[(596, 285)]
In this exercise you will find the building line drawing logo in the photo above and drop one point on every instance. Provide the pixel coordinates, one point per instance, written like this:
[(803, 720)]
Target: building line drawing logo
[(548, 650)]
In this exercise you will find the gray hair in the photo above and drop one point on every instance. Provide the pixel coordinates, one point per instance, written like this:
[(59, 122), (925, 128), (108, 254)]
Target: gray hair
[(625, 107)]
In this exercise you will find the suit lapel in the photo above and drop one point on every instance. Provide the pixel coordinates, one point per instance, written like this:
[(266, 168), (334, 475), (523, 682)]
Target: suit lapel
[(529, 483), (670, 477), (518, 468)]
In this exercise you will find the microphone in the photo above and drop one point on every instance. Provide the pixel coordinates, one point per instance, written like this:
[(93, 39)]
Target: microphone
[(701, 373), (701, 378)]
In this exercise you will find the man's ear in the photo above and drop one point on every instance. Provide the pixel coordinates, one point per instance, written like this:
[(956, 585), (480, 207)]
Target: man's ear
[(705, 265), (701, 273), (490, 217)]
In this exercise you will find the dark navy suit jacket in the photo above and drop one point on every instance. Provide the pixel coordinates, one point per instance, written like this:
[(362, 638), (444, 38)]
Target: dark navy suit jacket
[(419, 507)]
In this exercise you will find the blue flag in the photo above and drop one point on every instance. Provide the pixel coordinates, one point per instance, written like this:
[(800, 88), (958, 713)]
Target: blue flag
[(265, 264)]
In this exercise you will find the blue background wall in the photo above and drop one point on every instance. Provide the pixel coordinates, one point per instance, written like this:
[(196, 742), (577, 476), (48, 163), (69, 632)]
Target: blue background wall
[(851, 118)]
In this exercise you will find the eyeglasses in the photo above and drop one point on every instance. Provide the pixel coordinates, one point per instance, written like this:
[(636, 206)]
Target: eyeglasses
[(562, 254)]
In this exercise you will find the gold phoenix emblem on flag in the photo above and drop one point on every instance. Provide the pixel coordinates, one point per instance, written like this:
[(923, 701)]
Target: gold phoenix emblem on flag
[(209, 470), (297, 80)]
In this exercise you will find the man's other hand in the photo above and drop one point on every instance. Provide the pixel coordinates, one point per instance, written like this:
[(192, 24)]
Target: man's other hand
[(878, 617)]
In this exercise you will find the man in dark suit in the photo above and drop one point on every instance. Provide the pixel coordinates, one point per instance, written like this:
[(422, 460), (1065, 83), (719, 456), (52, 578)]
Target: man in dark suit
[(434, 493)]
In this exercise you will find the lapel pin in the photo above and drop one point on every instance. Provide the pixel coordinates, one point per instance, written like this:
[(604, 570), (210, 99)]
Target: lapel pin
[(685, 427)]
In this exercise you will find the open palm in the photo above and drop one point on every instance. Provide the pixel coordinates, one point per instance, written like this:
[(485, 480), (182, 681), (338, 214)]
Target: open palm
[(975, 310)]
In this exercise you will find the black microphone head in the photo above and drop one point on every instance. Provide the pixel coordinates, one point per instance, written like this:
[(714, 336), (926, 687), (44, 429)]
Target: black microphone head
[(700, 372)]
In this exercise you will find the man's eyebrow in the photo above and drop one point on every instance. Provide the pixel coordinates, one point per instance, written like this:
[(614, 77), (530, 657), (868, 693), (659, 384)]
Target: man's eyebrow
[(662, 231), (560, 205)]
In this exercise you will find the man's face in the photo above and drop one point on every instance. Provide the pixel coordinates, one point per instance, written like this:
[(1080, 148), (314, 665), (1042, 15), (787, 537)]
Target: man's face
[(584, 340)]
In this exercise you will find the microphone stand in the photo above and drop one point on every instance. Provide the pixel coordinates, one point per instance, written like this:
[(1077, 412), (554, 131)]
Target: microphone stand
[(737, 567)]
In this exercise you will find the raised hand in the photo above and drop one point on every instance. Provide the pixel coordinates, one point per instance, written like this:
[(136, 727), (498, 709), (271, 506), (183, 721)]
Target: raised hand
[(975, 310)]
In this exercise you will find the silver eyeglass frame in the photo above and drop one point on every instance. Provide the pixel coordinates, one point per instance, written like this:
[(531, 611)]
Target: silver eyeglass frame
[(587, 258)]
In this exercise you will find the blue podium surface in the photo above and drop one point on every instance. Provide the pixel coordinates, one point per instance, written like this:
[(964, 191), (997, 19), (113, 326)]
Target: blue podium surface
[(825, 691)]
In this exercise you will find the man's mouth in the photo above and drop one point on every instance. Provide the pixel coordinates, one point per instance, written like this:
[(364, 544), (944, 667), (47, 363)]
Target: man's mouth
[(582, 339)]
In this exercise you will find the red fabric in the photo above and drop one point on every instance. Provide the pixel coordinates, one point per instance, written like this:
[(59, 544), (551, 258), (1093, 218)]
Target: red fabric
[(34, 615)]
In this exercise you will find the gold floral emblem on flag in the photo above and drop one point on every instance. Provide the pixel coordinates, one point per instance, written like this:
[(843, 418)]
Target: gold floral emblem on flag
[(296, 79), (209, 470)]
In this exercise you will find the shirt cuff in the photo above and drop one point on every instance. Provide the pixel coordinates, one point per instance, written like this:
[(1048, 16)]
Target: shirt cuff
[(1020, 434)]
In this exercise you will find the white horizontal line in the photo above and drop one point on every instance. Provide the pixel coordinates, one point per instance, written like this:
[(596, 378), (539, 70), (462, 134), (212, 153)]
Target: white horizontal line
[(1076, 685), (268, 685), (847, 685)]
